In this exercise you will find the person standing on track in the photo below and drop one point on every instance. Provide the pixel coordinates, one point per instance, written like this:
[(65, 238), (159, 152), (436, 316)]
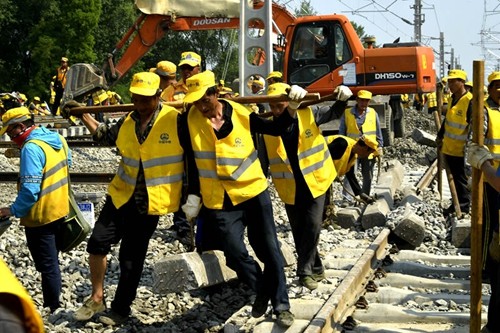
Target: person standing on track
[(453, 135), (147, 185), (234, 189), (302, 171)]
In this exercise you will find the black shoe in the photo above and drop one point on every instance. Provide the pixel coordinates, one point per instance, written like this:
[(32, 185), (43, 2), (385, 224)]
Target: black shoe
[(448, 211), (259, 306), (285, 319)]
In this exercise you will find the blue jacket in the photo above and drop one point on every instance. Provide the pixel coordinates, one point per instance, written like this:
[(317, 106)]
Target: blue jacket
[(31, 169)]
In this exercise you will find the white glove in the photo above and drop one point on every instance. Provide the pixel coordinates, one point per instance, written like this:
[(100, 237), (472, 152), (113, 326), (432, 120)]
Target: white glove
[(192, 206), (477, 155), (296, 95), (343, 93)]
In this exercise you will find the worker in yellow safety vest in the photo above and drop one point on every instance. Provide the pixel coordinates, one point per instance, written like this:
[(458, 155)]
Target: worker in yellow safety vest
[(18, 313), (453, 135)]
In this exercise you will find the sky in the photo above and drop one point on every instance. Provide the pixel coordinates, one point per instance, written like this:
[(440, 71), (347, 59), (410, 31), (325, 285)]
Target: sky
[(461, 21)]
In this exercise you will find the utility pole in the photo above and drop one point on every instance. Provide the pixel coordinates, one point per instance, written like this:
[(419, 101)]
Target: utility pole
[(441, 54), (419, 20)]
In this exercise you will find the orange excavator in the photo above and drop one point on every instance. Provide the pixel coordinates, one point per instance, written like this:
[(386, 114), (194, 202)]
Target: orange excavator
[(315, 52)]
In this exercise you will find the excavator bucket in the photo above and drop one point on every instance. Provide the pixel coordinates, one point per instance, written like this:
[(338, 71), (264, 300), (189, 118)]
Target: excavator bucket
[(82, 80)]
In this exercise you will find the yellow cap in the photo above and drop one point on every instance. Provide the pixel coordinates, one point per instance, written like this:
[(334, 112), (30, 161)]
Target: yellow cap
[(469, 84), (364, 94), (493, 77), (226, 90), (274, 74), (37, 99), (369, 142), (23, 97), (259, 82), (99, 96), (145, 84), (279, 88), (152, 70), (64, 59), (197, 85), (166, 68), (190, 58), (14, 116), (457, 74)]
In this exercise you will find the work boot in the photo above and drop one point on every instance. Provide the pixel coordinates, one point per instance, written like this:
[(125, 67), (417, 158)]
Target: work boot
[(88, 309), (308, 281), (285, 319), (318, 277), (259, 306), (112, 318)]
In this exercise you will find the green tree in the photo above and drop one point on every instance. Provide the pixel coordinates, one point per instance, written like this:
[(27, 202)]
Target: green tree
[(305, 8)]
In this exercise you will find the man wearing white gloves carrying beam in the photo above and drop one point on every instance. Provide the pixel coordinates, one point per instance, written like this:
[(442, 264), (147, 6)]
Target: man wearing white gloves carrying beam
[(234, 189)]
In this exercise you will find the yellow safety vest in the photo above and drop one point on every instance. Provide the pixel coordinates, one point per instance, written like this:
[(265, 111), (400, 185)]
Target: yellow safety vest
[(369, 126), (313, 156), (431, 100), (61, 75), (161, 156), (456, 127), (492, 139), (227, 165), (345, 163), (11, 285), (53, 202)]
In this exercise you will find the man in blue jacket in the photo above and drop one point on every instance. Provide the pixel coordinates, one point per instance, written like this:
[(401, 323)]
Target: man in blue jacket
[(42, 202)]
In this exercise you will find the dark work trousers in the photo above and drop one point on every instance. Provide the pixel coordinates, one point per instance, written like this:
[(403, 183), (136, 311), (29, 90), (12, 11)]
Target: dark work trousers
[(306, 218), (57, 100), (257, 215), (367, 173), (134, 230), (491, 208), (42, 245), (457, 169)]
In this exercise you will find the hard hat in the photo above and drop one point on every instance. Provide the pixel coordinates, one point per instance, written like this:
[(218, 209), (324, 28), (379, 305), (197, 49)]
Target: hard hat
[(259, 82), (369, 142), (14, 116), (457, 74), (166, 68), (190, 58), (493, 77), (274, 74), (364, 94), (145, 84), (99, 96), (198, 84), (278, 88)]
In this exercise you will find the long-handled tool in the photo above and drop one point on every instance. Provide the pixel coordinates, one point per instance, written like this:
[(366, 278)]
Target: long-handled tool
[(79, 110)]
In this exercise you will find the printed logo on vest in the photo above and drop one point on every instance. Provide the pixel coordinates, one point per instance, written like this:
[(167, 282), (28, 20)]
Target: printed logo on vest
[(238, 142), (308, 133), (164, 138)]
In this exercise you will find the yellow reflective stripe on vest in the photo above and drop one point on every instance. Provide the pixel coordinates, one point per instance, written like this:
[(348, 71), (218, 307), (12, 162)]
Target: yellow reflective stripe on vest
[(492, 138), (318, 165)]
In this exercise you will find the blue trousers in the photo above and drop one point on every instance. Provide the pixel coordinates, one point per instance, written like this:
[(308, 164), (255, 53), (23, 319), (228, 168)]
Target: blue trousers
[(42, 245), (134, 230), (257, 215)]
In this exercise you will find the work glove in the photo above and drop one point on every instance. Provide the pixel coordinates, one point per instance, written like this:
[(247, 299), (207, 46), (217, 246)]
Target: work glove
[(192, 206), (66, 108), (477, 155), (366, 198), (296, 95), (343, 93)]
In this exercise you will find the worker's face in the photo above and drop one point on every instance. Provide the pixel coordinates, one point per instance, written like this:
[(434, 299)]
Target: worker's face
[(455, 85), (188, 71), (494, 92), (145, 104), (15, 129), (255, 88), (363, 151), (278, 108), (208, 105), (362, 104)]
